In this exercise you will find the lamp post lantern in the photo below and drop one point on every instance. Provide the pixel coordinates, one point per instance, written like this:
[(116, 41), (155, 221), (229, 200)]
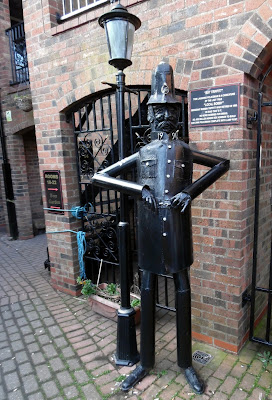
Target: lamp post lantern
[(120, 26)]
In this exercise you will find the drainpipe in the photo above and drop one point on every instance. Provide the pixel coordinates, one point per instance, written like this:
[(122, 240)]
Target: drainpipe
[(12, 219)]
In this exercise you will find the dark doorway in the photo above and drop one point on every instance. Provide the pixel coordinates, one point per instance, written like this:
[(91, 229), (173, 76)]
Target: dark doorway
[(261, 294)]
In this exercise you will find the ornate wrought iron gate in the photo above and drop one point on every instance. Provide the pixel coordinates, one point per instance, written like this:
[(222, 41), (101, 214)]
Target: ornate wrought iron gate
[(95, 129), (261, 293)]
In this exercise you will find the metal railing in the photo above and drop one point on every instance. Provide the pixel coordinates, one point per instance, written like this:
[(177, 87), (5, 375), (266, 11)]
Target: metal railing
[(71, 8), (18, 55)]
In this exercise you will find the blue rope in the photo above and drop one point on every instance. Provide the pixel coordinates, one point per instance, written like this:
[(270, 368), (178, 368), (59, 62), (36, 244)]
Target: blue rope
[(77, 211), (81, 244), (66, 230), (81, 248)]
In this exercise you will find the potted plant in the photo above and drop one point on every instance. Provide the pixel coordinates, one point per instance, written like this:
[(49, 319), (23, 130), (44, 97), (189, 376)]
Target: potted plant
[(23, 102), (23, 98), (104, 298)]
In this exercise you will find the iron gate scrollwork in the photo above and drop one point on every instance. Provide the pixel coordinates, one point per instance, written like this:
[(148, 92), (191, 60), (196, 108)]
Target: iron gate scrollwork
[(95, 129)]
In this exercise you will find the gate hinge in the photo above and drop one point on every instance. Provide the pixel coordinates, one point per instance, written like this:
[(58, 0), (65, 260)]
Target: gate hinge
[(252, 116), (245, 297)]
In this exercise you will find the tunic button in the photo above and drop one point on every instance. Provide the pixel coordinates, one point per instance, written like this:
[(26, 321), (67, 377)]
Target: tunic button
[(169, 161), (147, 164), (183, 165), (164, 234), (169, 146), (166, 191), (164, 218), (167, 176)]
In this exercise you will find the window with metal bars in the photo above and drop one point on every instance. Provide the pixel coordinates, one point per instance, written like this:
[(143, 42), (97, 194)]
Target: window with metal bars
[(71, 8), (18, 54)]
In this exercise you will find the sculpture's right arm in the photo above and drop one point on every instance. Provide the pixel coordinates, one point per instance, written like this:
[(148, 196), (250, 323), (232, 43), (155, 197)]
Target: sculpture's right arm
[(106, 178)]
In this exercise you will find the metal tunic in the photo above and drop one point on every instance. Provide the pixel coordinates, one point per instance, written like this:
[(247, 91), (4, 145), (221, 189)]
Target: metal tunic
[(164, 236)]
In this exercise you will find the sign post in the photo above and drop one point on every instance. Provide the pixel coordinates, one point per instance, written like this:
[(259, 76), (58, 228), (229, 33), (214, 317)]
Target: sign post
[(53, 191)]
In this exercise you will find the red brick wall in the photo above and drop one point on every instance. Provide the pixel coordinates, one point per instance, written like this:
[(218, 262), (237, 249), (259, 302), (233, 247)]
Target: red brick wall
[(208, 44), (223, 226), (16, 157), (56, 152), (21, 122), (34, 182)]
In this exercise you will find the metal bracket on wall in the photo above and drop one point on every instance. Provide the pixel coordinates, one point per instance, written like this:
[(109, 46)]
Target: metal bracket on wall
[(245, 297), (252, 116)]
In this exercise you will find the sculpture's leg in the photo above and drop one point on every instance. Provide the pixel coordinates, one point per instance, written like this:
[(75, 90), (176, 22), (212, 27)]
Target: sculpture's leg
[(184, 330), (147, 353)]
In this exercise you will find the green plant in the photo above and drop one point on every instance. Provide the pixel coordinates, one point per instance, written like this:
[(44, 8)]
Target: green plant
[(135, 303), (162, 373), (23, 101), (120, 378), (88, 288), (22, 96), (265, 358), (111, 289), (79, 280)]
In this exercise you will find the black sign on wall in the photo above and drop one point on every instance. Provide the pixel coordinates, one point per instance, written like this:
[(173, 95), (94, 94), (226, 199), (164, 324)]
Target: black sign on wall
[(215, 106), (53, 190)]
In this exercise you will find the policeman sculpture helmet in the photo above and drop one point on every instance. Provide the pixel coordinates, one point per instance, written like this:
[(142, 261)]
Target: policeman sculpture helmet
[(163, 94), (162, 86)]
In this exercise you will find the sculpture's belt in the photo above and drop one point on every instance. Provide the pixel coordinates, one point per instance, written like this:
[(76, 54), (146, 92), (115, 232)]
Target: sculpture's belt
[(164, 204)]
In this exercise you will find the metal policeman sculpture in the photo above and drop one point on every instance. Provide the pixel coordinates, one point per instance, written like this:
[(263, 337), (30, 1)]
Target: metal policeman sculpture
[(164, 191)]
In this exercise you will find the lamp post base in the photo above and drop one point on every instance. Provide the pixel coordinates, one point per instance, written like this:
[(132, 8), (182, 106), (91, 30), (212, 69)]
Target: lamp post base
[(126, 354)]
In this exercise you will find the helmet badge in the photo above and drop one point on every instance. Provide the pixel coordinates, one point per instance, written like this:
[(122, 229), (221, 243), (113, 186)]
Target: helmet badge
[(165, 89)]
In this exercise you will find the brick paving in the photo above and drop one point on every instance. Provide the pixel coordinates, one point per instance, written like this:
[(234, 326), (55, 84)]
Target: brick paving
[(52, 346)]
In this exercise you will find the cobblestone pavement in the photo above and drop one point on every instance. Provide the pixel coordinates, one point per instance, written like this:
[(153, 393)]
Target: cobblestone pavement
[(52, 346)]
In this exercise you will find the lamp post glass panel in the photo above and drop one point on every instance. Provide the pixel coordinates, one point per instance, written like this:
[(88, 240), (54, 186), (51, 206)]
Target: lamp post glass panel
[(120, 27), (122, 33)]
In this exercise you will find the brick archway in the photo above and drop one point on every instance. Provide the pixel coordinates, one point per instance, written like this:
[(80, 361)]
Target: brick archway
[(250, 51), (88, 82)]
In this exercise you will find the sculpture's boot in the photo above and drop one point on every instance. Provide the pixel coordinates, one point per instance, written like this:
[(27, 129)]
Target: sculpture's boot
[(136, 376), (196, 384), (184, 335), (147, 352)]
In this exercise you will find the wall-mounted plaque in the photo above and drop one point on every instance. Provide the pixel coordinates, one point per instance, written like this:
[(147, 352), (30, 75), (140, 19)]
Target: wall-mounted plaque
[(53, 191), (215, 106)]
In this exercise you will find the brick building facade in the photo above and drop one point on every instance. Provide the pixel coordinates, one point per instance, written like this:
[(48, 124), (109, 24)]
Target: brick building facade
[(19, 133), (211, 43)]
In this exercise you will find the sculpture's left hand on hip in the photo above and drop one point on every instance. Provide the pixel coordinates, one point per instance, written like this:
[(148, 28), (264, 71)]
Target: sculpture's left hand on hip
[(181, 200), (149, 199)]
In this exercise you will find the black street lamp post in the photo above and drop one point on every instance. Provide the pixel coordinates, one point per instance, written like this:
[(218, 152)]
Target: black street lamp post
[(120, 26)]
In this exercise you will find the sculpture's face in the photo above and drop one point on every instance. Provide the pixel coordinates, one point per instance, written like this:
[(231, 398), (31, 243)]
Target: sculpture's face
[(164, 117)]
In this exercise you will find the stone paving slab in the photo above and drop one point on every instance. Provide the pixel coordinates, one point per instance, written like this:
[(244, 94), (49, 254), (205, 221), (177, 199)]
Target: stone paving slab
[(52, 346)]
